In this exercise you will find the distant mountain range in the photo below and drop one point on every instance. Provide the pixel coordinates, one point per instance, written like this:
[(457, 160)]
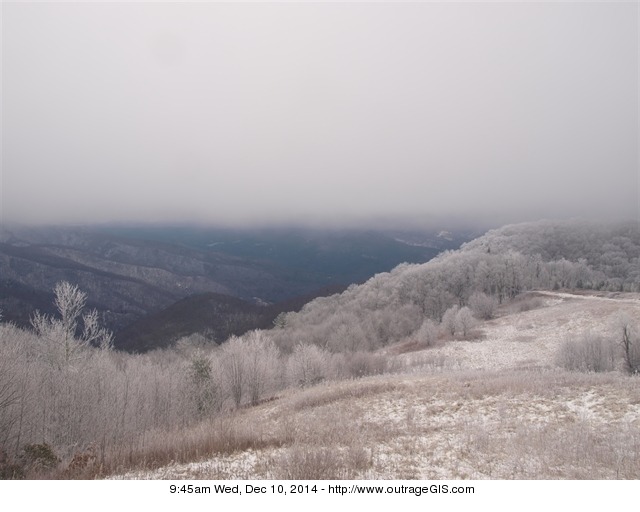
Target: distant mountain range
[(163, 282)]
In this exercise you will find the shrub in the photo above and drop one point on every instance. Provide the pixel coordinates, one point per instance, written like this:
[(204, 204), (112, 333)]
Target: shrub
[(9, 469), (589, 353), (361, 364), (527, 303), (41, 454), (39, 457), (302, 462), (483, 305)]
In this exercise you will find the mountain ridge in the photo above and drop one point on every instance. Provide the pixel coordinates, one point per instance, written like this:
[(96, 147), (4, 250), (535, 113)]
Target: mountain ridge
[(129, 273)]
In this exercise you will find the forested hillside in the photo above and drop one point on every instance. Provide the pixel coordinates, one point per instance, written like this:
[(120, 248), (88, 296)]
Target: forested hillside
[(482, 274), (612, 252)]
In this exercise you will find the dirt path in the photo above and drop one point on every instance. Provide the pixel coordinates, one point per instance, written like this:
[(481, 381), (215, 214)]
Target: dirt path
[(626, 298)]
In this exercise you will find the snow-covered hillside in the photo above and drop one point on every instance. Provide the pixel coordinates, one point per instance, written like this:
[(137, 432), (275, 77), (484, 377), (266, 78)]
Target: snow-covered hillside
[(495, 406)]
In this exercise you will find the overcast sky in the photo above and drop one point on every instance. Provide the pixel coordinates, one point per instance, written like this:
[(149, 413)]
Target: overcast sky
[(340, 112)]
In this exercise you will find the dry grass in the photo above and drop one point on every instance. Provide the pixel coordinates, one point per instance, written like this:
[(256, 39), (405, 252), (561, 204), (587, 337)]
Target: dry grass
[(521, 303), (466, 424), (332, 393), (308, 462), (220, 437)]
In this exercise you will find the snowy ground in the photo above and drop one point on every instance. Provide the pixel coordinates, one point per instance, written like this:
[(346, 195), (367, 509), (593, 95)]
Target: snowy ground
[(494, 407), (530, 339)]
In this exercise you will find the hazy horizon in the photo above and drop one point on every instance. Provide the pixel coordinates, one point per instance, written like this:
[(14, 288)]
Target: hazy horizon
[(339, 114)]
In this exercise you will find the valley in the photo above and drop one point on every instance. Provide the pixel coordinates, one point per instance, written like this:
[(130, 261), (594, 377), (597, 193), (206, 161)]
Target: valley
[(132, 274)]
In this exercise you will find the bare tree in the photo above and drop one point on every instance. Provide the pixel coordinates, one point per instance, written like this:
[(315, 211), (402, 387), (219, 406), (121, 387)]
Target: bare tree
[(95, 335), (630, 345), (64, 346), (233, 361), (60, 333), (10, 388)]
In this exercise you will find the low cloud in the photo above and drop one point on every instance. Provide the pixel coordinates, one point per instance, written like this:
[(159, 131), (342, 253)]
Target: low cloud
[(319, 113)]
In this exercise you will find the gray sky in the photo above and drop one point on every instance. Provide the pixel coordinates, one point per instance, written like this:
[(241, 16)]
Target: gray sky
[(341, 112)]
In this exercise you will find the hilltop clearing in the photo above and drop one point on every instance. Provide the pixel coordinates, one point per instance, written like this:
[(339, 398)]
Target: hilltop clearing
[(496, 406)]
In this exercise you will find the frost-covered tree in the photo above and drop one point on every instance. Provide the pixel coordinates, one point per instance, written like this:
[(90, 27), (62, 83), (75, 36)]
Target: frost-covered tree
[(63, 345), (308, 365), (483, 305), (262, 365), (464, 321), (448, 323), (427, 334), (234, 368)]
